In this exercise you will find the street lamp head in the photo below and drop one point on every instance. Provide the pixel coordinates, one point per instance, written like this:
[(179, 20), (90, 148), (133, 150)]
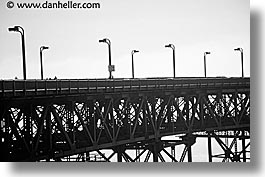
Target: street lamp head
[(106, 40), (206, 53), (134, 51), (238, 49), (43, 48), (170, 46), (102, 40), (15, 29), (11, 29)]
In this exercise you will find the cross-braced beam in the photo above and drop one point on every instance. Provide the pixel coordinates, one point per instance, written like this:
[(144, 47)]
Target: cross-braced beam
[(57, 128)]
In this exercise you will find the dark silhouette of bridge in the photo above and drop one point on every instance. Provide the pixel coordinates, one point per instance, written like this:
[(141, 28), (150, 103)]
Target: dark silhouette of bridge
[(57, 120)]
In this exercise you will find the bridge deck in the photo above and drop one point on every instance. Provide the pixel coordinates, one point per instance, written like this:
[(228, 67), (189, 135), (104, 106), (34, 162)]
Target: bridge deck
[(22, 88), (57, 118)]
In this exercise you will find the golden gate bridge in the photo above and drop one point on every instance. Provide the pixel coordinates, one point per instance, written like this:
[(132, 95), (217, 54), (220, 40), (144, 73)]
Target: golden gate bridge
[(78, 119)]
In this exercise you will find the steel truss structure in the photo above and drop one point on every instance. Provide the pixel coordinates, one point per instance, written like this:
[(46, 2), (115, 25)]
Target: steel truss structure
[(129, 124)]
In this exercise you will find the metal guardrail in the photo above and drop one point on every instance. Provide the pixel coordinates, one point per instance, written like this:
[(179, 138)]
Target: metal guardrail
[(14, 88)]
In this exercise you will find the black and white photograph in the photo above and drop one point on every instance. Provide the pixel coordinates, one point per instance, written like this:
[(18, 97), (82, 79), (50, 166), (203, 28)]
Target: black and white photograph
[(125, 81)]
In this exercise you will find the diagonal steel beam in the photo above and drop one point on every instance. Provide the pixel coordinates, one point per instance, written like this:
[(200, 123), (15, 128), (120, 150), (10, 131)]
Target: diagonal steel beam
[(127, 156), (245, 105), (124, 112), (136, 117), (111, 155), (147, 156), (161, 157), (60, 127), (39, 131), (194, 109), (83, 124), (104, 122), (103, 156), (150, 116), (139, 155), (169, 155), (181, 116), (14, 128), (223, 146), (213, 115), (162, 116), (184, 152)]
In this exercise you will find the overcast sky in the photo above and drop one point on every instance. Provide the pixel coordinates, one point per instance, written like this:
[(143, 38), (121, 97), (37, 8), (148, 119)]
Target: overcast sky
[(193, 26)]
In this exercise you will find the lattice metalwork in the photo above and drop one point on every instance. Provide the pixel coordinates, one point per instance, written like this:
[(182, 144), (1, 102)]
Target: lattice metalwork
[(130, 125)]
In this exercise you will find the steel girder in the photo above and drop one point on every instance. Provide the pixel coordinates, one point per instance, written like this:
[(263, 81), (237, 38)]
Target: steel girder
[(55, 128)]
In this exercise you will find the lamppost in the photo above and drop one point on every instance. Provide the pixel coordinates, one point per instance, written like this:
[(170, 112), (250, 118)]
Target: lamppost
[(205, 53), (110, 67), (173, 48), (22, 32), (41, 65), (242, 64), (133, 52)]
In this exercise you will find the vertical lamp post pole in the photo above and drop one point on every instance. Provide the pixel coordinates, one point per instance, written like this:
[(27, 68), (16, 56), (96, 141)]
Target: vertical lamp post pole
[(173, 48), (242, 63), (26, 120), (133, 52), (205, 53), (41, 64), (110, 67), (22, 32)]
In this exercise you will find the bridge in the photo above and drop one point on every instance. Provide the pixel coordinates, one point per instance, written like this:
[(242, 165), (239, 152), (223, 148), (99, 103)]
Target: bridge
[(82, 119)]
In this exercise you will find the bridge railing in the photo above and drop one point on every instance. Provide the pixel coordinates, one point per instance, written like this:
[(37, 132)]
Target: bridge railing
[(13, 88)]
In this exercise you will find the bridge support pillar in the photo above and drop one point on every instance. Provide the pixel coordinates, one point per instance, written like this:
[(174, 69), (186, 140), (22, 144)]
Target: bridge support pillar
[(244, 146), (189, 154), (137, 153), (189, 140), (119, 156), (119, 150), (173, 152), (155, 153), (87, 156), (209, 147), (155, 148)]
